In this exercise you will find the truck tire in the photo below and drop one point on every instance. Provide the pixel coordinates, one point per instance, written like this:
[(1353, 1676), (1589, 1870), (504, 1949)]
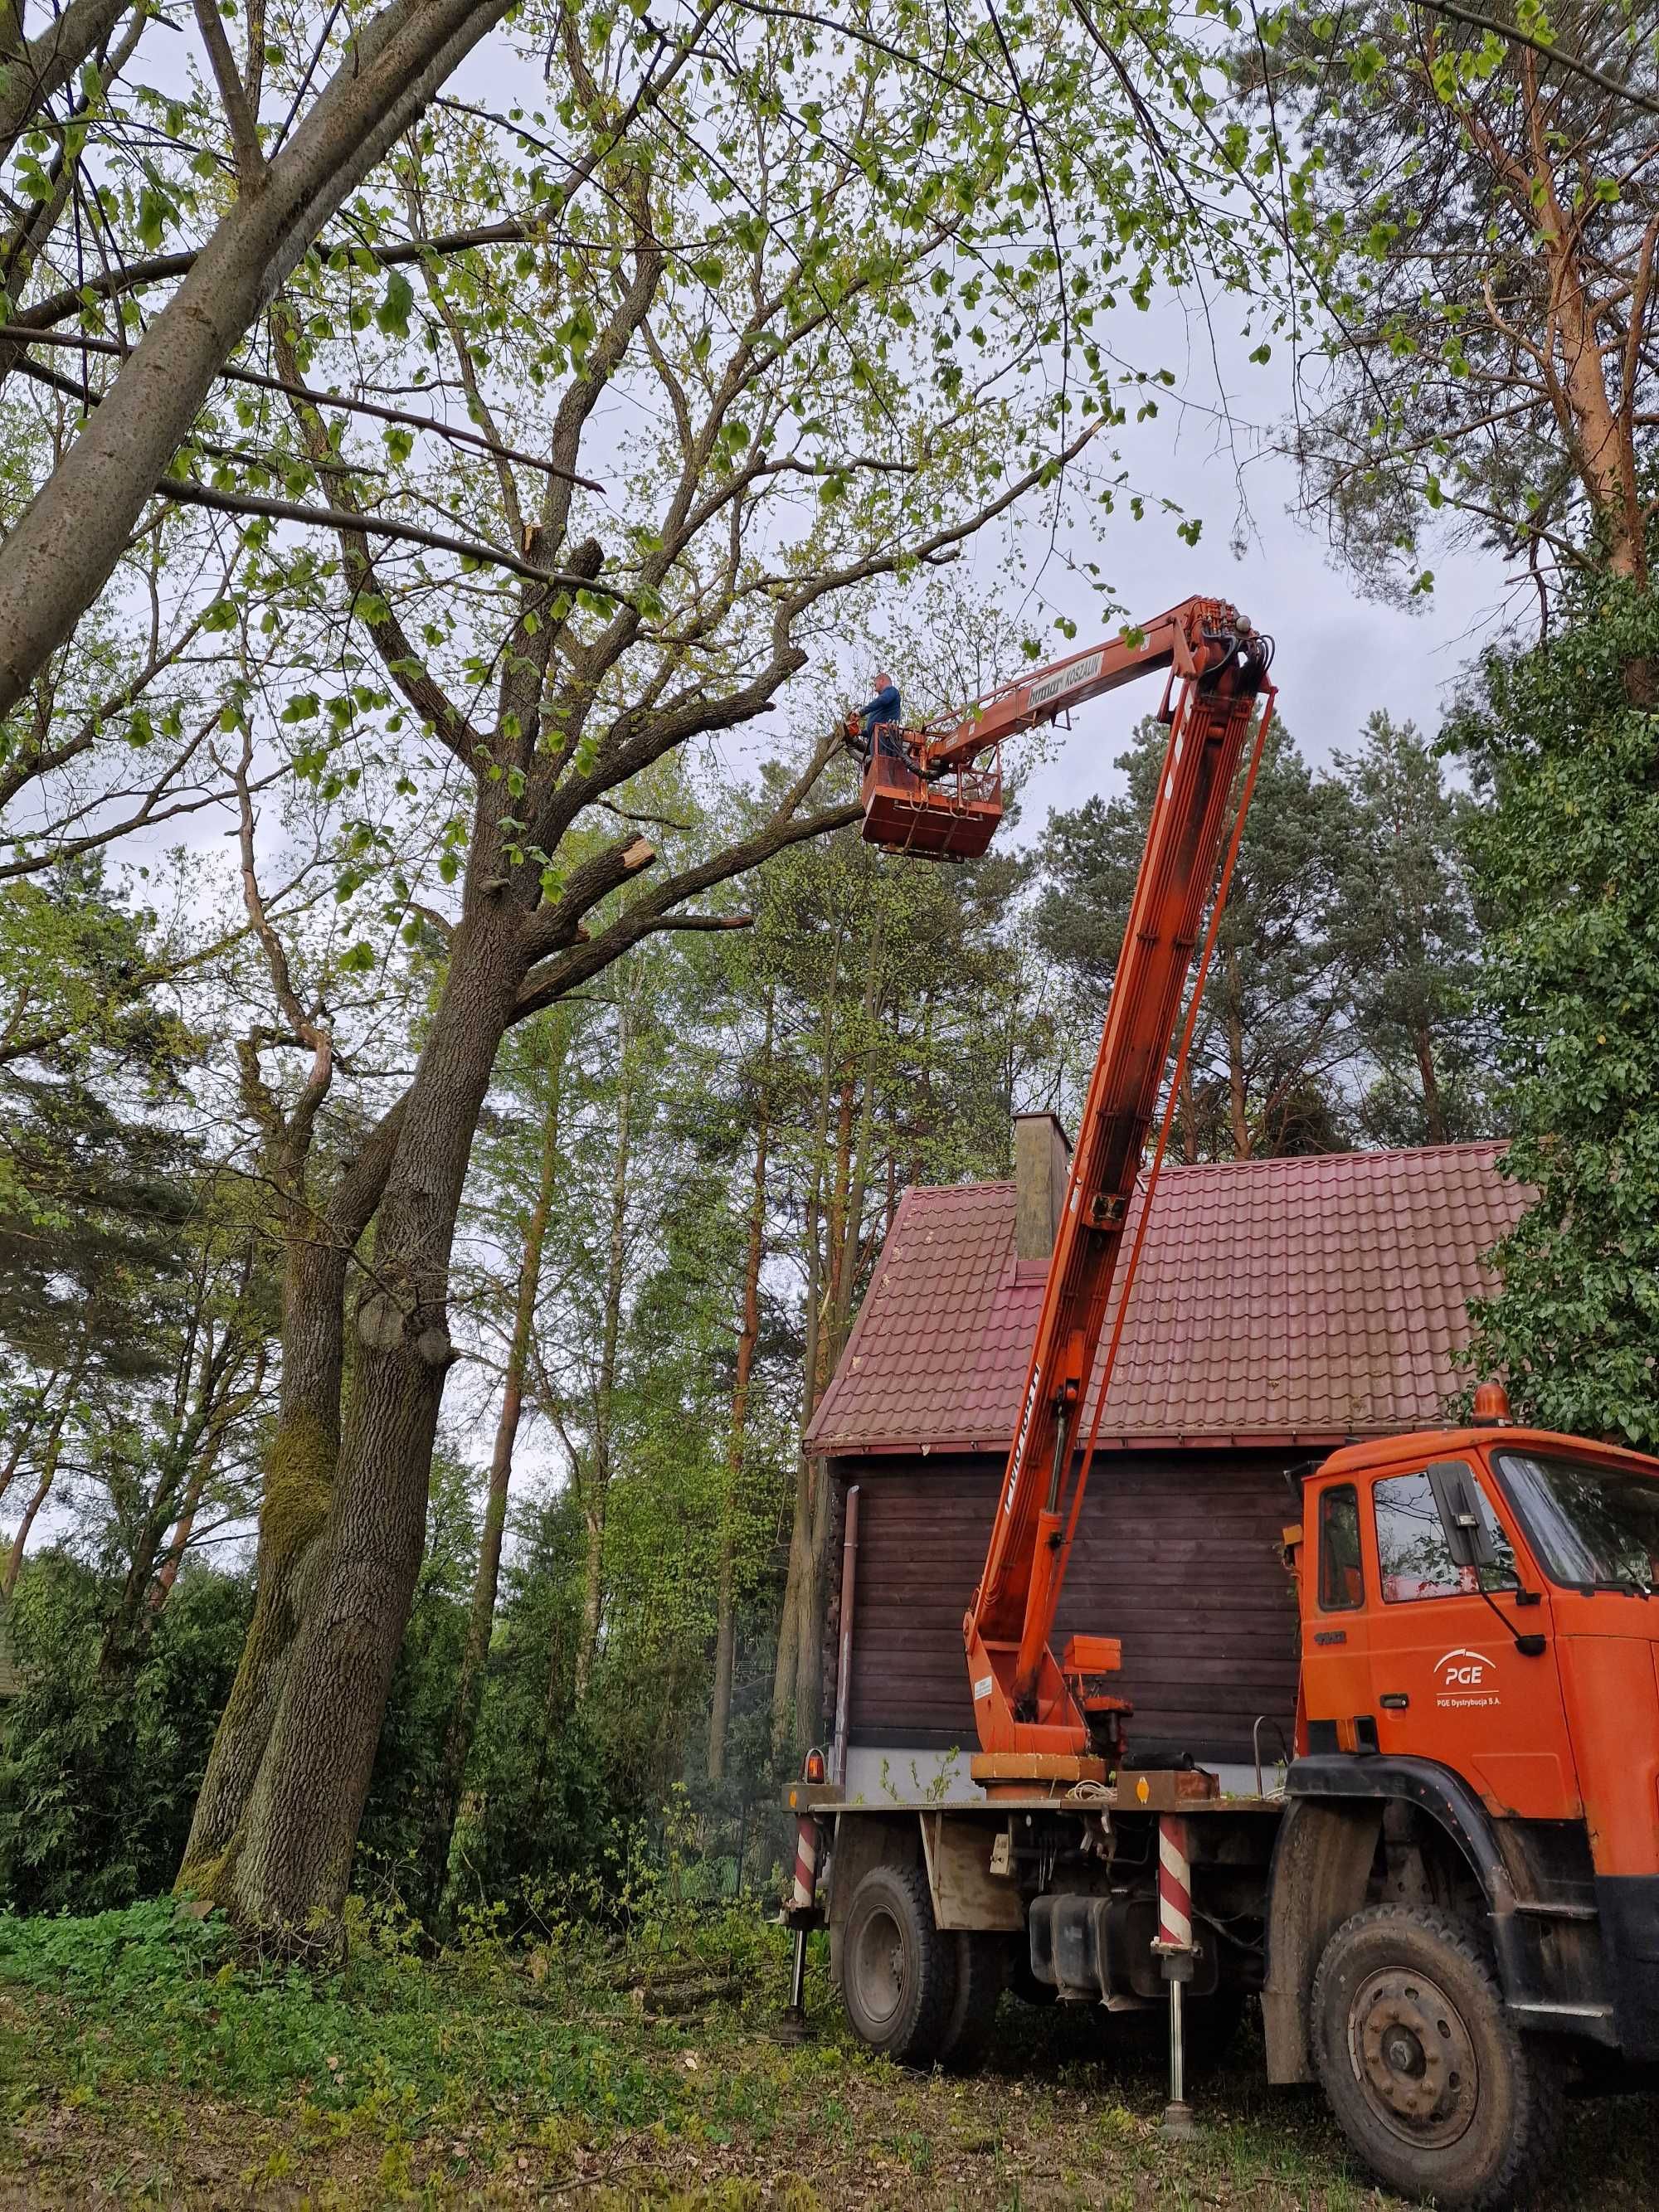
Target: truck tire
[(1431, 2080), (981, 1968), (898, 1974)]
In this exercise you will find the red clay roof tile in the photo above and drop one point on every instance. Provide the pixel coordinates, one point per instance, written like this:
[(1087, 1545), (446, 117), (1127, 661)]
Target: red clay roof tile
[(1313, 1298)]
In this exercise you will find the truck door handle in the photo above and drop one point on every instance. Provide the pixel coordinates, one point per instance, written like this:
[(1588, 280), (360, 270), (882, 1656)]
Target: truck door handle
[(1395, 1701)]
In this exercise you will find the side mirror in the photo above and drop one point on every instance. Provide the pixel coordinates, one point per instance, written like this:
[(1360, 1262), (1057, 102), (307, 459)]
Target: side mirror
[(1467, 1534)]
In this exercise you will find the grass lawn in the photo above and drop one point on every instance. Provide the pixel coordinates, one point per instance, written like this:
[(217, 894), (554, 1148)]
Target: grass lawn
[(140, 2065)]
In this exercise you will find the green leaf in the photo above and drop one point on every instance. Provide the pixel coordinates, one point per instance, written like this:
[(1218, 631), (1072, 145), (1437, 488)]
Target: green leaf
[(392, 316)]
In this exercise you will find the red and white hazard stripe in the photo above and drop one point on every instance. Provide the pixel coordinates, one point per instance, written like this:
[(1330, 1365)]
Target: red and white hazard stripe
[(806, 1863), (1175, 1885)]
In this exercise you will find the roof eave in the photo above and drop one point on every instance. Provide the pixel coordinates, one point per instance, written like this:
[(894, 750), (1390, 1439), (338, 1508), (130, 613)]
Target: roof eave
[(1324, 1439)]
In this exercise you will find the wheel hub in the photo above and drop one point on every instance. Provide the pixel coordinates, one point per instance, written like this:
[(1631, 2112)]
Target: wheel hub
[(879, 1963), (1413, 2056)]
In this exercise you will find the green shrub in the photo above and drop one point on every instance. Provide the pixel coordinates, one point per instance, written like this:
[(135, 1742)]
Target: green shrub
[(98, 1771), (110, 1953)]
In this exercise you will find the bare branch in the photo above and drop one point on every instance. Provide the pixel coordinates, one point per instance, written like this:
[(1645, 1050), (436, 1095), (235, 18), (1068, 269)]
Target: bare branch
[(381, 525), (149, 812), (158, 268), (233, 96), (81, 342)]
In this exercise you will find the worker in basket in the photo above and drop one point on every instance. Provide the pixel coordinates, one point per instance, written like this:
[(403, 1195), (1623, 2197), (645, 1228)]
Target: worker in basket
[(878, 730)]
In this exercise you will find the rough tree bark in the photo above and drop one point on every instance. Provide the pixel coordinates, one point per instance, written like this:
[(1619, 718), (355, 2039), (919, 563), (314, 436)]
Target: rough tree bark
[(342, 1537), (1599, 440), (481, 1618), (342, 1524), (34, 70), (292, 1853), (300, 1471)]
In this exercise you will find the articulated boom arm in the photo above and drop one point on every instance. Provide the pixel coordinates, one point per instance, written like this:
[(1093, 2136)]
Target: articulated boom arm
[(1026, 1701), (1170, 642)]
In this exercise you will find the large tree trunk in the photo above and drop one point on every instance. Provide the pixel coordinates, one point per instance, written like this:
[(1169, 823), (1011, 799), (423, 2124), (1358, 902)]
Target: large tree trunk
[(278, 1852), (299, 1473), (1601, 445), (481, 1619), (300, 1470), (34, 71), (726, 1634)]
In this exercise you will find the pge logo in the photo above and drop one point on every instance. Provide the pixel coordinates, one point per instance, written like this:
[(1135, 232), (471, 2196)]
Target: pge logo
[(1467, 1677)]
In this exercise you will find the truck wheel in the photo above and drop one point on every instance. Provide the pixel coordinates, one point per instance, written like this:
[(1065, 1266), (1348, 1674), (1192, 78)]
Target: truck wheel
[(899, 1976), (980, 1971), (1434, 2085)]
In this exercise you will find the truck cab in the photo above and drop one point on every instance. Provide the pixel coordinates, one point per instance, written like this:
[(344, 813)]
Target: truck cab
[(1480, 1678)]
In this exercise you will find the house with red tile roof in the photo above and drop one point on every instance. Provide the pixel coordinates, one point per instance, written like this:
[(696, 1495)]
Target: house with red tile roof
[(1282, 1307)]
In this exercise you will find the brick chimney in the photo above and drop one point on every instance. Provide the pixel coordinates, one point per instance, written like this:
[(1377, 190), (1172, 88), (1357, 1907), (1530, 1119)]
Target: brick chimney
[(1041, 1152)]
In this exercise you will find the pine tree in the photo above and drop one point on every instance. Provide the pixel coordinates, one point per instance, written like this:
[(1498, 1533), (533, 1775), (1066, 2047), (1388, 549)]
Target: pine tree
[(1273, 1036), (1411, 942)]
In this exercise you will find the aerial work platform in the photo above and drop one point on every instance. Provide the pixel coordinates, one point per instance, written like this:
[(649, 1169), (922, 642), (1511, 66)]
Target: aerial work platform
[(950, 817)]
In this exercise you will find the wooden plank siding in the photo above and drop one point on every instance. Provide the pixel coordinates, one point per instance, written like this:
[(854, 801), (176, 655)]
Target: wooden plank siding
[(1177, 1552)]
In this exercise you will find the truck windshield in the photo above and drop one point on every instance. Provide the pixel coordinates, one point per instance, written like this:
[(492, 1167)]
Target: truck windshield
[(1594, 1527)]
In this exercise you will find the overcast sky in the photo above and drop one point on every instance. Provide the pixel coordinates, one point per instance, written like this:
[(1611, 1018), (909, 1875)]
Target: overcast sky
[(1340, 655)]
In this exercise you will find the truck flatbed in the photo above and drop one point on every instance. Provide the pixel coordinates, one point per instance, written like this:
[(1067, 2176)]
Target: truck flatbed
[(824, 1801)]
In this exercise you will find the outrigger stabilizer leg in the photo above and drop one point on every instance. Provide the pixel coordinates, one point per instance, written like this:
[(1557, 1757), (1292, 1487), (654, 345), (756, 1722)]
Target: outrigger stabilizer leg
[(1173, 1946), (800, 1911)]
